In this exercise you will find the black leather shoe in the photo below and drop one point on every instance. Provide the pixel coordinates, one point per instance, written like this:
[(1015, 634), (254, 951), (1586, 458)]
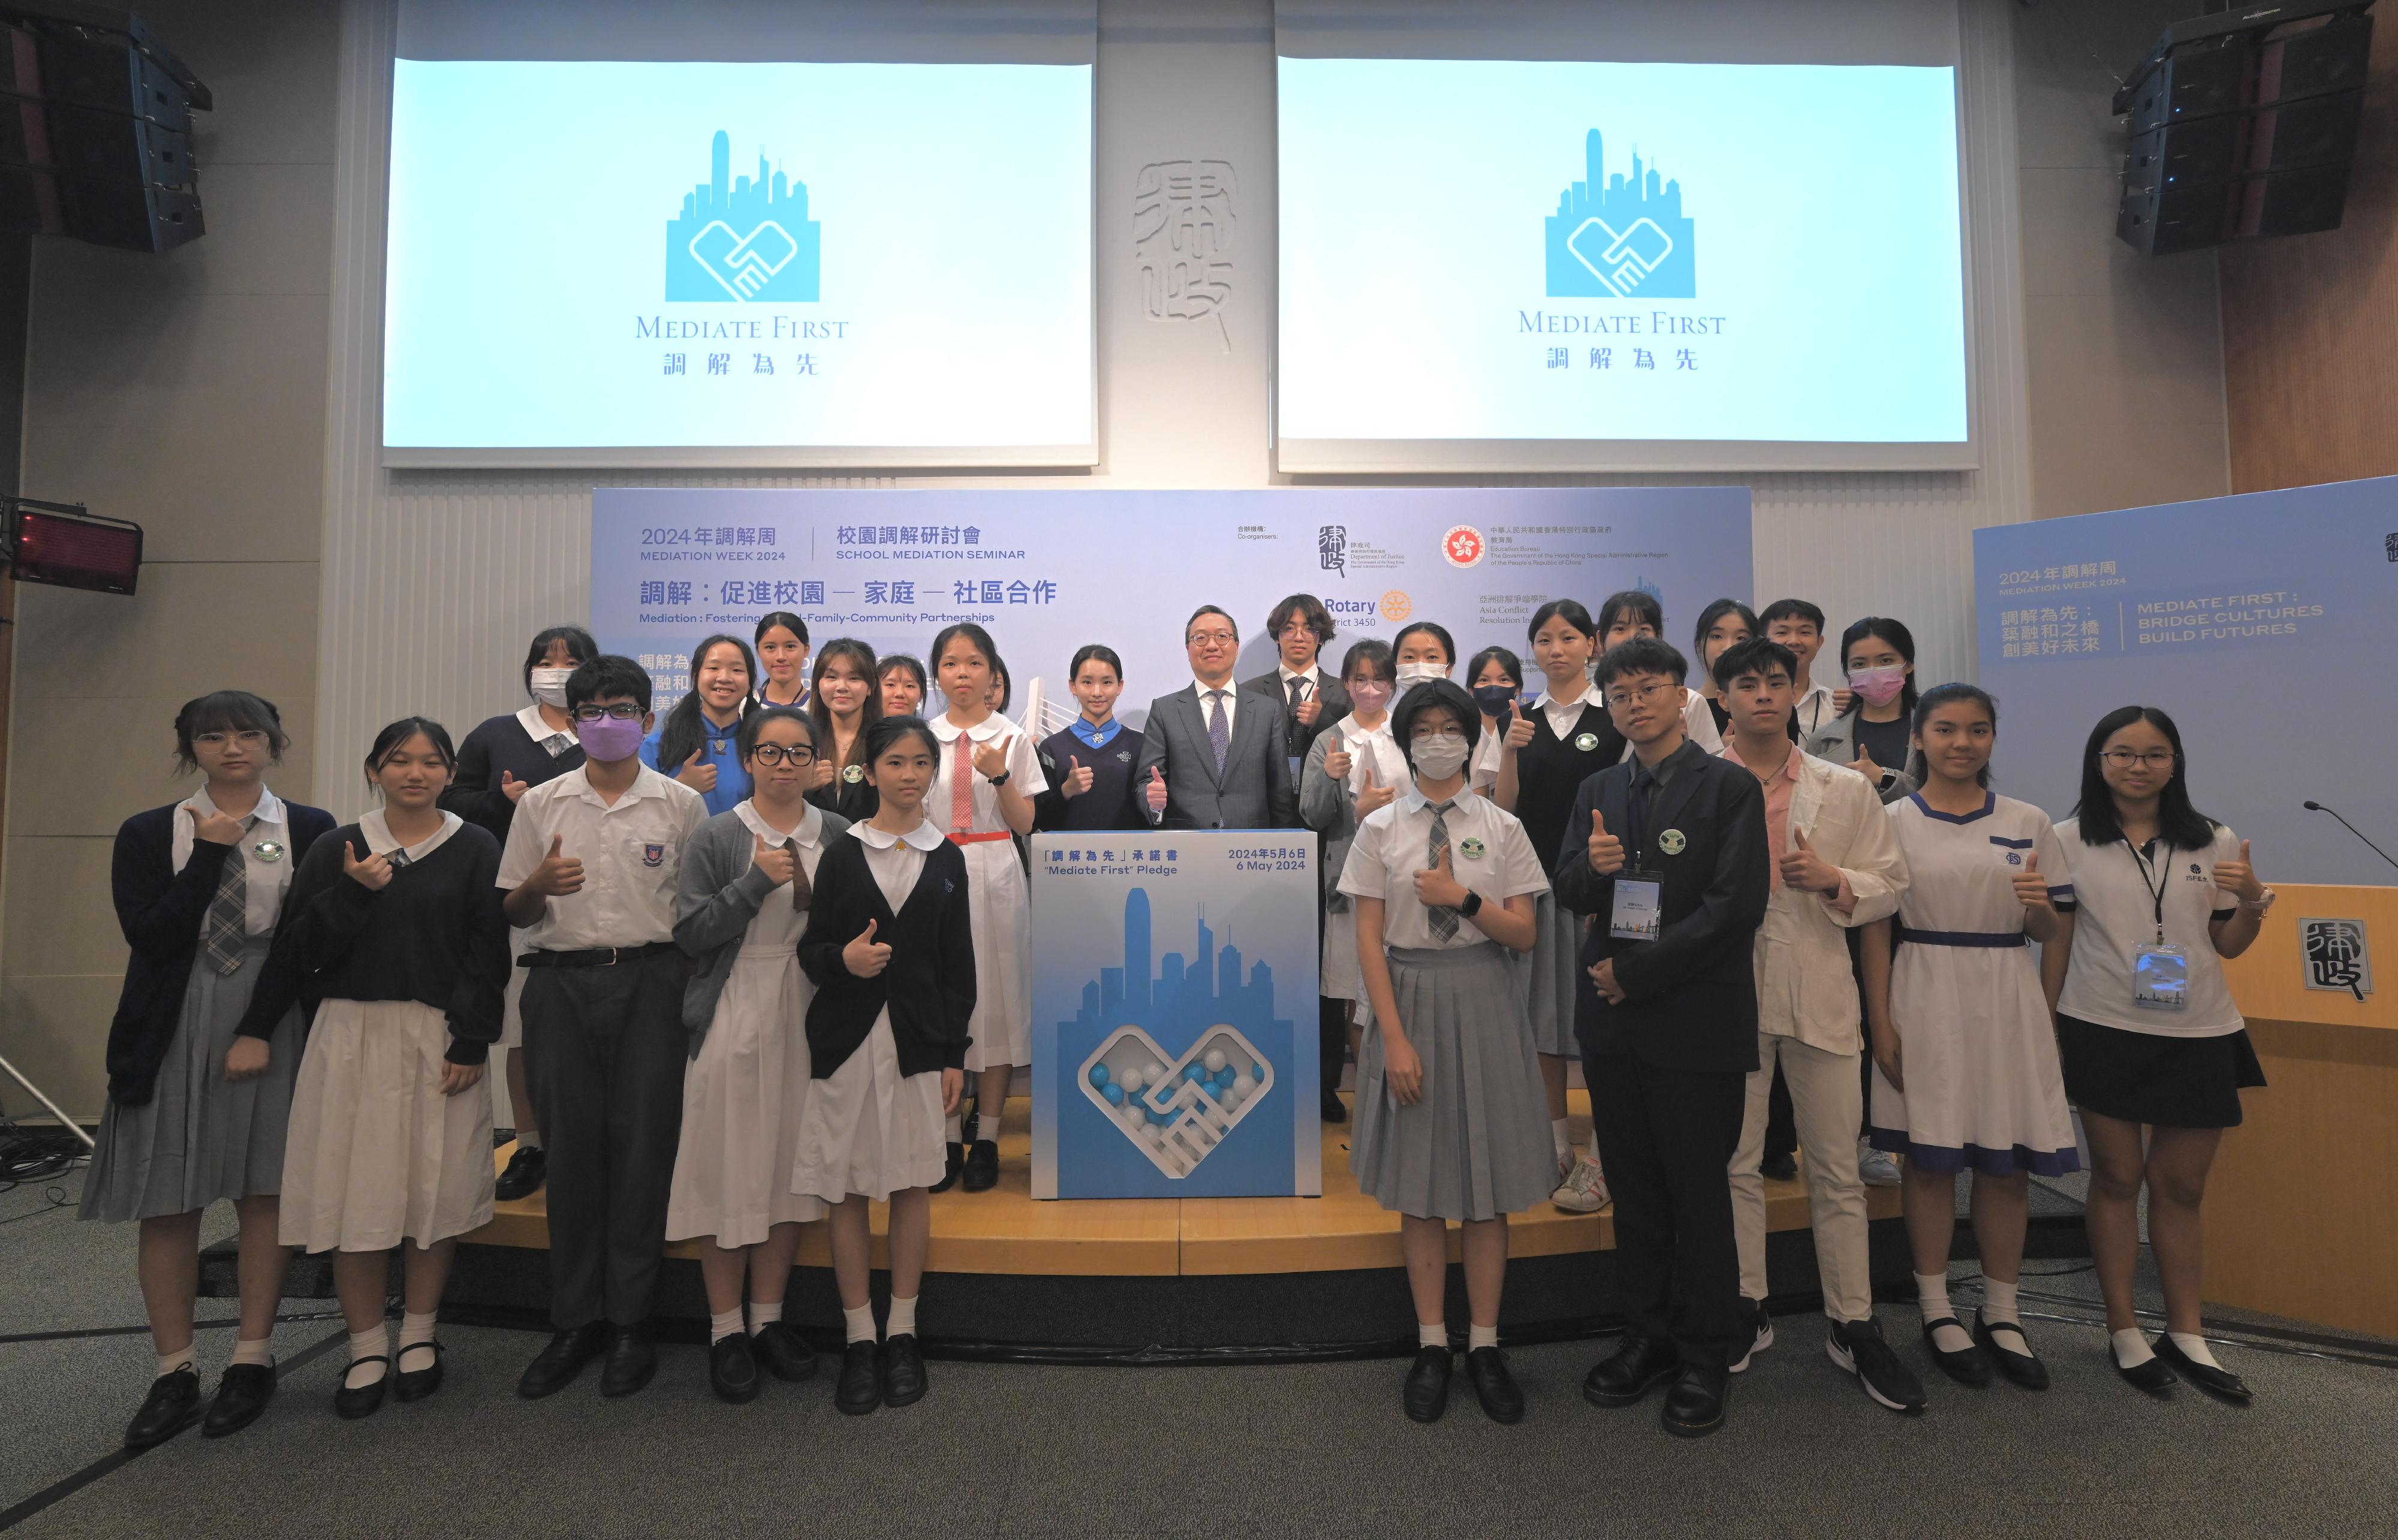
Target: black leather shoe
[(952, 1172), (2154, 1375), (2022, 1368), (859, 1388), (526, 1171), (903, 1370), (1694, 1405), (554, 1366), (1502, 1399), (632, 1359), (172, 1404), (1425, 1394), (1335, 1110), (1967, 1365), (982, 1166), (241, 1395), (367, 1399), (1636, 1368), (1780, 1168), (2216, 1381), (780, 1353), (731, 1370), (415, 1385)]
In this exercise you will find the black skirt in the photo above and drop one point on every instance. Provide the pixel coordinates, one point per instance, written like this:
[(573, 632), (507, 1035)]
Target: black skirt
[(2166, 1082)]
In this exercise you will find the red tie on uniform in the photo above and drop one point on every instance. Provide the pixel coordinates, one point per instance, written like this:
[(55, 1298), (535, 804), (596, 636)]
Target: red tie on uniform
[(962, 788)]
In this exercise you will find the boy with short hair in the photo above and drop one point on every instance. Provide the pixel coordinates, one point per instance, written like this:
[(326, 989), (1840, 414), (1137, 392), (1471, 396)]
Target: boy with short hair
[(1799, 625)]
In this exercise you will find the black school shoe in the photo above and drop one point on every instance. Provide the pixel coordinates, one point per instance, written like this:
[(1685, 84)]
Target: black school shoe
[(632, 1359), (2151, 1374), (1633, 1369), (172, 1404), (859, 1388), (903, 1370), (242, 1395), (781, 1352), (1334, 1109), (554, 1366), (1426, 1392), (2216, 1381), (415, 1385), (950, 1172), (982, 1166), (1858, 1347), (1695, 1404), (1502, 1399), (526, 1171), (1967, 1365), (731, 1370), (367, 1399), (2023, 1368)]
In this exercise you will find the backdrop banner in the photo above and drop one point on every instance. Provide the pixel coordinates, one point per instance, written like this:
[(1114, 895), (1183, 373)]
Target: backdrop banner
[(1048, 570), (2260, 624)]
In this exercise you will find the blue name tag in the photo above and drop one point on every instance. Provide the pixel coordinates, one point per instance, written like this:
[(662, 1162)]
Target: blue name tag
[(1638, 913), (2160, 978)]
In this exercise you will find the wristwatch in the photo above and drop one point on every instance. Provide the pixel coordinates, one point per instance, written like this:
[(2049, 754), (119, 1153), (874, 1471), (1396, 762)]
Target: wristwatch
[(1000, 779), (1472, 906), (2263, 902)]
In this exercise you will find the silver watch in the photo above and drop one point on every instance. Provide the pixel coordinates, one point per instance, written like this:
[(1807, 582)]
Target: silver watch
[(2263, 902)]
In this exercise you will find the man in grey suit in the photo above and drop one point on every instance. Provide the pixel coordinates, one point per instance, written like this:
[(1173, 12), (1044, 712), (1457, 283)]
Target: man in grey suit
[(1208, 759)]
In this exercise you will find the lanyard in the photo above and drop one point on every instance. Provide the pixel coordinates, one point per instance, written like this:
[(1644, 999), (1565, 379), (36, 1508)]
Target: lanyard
[(2155, 883), (1636, 814)]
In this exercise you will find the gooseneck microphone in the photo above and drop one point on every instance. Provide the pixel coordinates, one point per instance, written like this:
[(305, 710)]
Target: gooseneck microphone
[(2318, 808)]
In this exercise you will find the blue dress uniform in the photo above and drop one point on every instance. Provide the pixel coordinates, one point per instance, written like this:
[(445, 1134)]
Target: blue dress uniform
[(1109, 753)]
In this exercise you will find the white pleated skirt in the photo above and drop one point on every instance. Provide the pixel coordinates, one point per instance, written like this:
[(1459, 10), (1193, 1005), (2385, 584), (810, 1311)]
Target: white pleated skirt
[(868, 1131), (743, 1098), (376, 1154), (999, 902)]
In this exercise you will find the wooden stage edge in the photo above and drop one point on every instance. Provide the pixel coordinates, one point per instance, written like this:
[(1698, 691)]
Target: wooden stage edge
[(1007, 1230)]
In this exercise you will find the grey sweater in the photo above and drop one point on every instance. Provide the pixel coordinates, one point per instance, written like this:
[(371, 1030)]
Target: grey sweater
[(1324, 806), (721, 892)]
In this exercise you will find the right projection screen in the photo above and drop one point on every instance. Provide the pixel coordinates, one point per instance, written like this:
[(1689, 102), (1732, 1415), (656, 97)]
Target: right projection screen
[(1558, 264)]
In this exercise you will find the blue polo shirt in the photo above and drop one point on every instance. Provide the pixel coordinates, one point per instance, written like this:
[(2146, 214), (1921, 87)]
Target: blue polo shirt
[(718, 749)]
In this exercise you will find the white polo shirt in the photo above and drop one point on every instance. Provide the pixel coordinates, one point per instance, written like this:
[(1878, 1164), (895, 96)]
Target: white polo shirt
[(632, 854), (1487, 851), (2117, 915)]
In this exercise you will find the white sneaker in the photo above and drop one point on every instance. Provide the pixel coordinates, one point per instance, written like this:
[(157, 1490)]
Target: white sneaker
[(1585, 1191), (1760, 1334), (1876, 1166)]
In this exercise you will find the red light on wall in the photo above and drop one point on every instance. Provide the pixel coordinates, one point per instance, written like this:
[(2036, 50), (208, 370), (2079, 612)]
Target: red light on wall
[(74, 549)]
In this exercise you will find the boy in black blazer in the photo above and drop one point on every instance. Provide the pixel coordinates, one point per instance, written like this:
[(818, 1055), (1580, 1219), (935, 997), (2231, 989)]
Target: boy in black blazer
[(1667, 1027)]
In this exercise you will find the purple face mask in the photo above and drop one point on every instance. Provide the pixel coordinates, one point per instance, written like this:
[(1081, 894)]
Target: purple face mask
[(1370, 695), (1880, 686), (609, 740)]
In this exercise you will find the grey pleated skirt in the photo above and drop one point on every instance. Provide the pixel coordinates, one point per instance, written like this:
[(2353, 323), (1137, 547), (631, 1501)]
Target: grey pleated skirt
[(200, 1136), (1544, 977), (1475, 1144)]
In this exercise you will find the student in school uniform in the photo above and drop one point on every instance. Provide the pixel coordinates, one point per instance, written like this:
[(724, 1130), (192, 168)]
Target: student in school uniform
[(1871, 733), (1301, 627), (740, 912), (1798, 624), (1964, 1032), (1495, 677), (203, 1050), (1088, 763), (1423, 652), (1835, 866), (890, 947), (1668, 855), (393, 930), (1449, 1089), (698, 743), (591, 869), (2154, 1052), (844, 699), (1725, 623), (1545, 754), (1354, 768), (781, 641), (502, 759), (1632, 613), (901, 680), (982, 796)]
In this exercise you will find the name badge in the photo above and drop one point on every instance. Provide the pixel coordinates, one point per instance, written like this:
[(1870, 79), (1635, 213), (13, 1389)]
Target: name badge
[(1296, 764), (1639, 907), (2161, 976)]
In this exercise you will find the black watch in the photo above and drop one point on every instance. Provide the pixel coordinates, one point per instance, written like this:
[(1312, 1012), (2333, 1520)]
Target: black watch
[(1000, 779), (1472, 906)]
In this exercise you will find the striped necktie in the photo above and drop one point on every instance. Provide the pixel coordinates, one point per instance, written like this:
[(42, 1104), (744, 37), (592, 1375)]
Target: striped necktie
[(228, 911), (961, 814), (1442, 918), (1220, 733)]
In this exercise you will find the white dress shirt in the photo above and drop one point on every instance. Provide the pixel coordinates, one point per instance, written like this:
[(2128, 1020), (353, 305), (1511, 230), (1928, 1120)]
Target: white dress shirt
[(1231, 694), (631, 854), (266, 859), (1487, 851)]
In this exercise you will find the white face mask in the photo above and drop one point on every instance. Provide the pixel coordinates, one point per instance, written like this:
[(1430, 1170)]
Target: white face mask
[(1438, 759), (549, 686), (1419, 673)]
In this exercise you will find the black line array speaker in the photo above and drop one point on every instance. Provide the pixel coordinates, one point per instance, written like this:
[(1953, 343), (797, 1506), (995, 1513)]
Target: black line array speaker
[(2243, 123), (96, 130)]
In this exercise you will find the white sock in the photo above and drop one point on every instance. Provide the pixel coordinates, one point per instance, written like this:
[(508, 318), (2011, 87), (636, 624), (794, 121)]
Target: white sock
[(903, 1317), (1998, 1301), (857, 1325), (985, 1125), (2193, 1347), (2131, 1346), (415, 1332), (1432, 1334), (1561, 1138), (261, 1353), (762, 1315), (369, 1344), (528, 1139), (169, 1363), (957, 1128), (1478, 1337), (1931, 1297), (722, 1324)]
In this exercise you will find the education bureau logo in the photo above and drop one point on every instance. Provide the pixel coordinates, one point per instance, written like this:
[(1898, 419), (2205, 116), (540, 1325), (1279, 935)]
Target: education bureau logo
[(749, 238), (1462, 546), (1620, 240)]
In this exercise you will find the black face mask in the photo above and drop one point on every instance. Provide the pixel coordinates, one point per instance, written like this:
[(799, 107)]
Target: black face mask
[(1496, 700)]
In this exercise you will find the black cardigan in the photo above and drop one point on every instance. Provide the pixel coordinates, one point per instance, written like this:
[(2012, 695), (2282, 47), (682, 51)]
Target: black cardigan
[(929, 985), (160, 910), (500, 744), (434, 934)]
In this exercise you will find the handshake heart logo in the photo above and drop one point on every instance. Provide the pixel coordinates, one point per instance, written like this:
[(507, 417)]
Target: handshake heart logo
[(744, 264), (1176, 1111)]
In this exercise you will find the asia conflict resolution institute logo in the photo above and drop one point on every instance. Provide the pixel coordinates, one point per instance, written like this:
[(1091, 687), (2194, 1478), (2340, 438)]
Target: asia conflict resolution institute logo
[(1620, 240), (750, 239)]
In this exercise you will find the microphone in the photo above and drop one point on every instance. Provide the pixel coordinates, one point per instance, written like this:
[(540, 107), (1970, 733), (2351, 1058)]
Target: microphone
[(2313, 806)]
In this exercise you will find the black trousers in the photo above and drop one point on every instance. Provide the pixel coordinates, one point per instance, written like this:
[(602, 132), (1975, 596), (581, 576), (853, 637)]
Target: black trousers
[(604, 1053), (1666, 1137), (1331, 1038)]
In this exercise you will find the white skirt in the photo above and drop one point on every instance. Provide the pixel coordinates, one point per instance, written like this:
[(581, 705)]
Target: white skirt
[(1977, 1049), (1000, 904), (868, 1131), (1343, 979), (742, 1101), (376, 1154)]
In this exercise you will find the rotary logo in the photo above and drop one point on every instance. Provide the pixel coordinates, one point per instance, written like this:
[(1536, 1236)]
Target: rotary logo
[(1396, 605), (1464, 546)]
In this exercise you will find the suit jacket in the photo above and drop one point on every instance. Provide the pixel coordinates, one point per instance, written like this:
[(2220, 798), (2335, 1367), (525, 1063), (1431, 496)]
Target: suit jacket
[(1301, 738), (1690, 996), (1254, 790)]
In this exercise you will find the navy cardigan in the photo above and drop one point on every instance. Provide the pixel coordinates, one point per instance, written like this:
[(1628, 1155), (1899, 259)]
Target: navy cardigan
[(160, 910), (929, 984)]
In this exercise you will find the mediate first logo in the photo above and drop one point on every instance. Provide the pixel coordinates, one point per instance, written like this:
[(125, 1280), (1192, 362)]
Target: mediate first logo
[(743, 239)]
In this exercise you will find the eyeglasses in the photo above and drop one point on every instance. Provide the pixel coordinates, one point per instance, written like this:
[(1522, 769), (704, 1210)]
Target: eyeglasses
[(1644, 695), (775, 754), (2123, 759), (623, 710), (1294, 632), (1217, 639), (1438, 736), (250, 738)]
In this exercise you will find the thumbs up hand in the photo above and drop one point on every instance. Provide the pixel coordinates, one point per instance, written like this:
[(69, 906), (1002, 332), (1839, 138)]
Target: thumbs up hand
[(821, 772), (1078, 777), (1519, 732), (1373, 796), (1606, 850), (772, 859), (2239, 877), (215, 828), (1155, 790), (558, 874), (2031, 887), (372, 874), (1338, 762), (1439, 887), (865, 957), (991, 756), (696, 773), (511, 788), (1805, 871)]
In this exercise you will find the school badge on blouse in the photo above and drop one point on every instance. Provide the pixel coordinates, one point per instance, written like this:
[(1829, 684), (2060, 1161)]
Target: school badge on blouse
[(267, 850), (1671, 841), (654, 855), (852, 773), (1469, 849), (1586, 742)]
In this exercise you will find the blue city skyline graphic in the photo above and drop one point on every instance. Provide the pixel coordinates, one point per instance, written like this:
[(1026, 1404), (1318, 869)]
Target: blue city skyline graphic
[(1621, 239), (743, 239)]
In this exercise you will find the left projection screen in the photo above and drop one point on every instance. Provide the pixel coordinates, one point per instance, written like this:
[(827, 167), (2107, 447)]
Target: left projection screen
[(691, 265)]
